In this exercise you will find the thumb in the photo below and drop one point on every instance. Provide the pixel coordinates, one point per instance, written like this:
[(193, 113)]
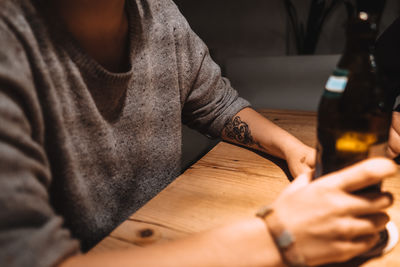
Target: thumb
[(301, 181)]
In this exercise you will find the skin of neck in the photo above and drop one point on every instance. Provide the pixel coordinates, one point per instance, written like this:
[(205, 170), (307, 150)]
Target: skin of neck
[(99, 26)]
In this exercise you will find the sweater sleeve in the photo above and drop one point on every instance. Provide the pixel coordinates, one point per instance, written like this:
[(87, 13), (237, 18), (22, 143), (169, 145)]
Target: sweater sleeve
[(31, 234), (208, 98)]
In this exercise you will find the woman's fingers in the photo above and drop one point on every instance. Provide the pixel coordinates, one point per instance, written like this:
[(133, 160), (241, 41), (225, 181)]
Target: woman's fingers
[(361, 205), (377, 220), (394, 136), (310, 159), (301, 181), (361, 175), (357, 246), (344, 250), (349, 228), (394, 143)]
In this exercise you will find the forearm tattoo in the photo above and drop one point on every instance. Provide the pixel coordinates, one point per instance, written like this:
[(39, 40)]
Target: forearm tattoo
[(239, 131)]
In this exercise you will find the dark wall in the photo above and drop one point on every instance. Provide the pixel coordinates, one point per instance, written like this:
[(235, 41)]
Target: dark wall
[(237, 28)]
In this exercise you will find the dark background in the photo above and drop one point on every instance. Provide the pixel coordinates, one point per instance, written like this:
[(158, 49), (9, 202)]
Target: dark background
[(254, 43), (236, 28)]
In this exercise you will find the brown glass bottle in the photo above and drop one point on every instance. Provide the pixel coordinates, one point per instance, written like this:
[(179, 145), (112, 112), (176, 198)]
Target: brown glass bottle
[(354, 113)]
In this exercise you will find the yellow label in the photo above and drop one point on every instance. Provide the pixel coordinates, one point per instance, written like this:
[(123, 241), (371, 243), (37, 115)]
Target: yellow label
[(355, 142)]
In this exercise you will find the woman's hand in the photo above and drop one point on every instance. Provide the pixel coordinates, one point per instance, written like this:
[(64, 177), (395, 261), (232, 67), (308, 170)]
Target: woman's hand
[(301, 159), (394, 137), (251, 129), (328, 222)]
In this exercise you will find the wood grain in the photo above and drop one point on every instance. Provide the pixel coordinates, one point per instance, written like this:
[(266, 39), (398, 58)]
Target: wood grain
[(227, 184)]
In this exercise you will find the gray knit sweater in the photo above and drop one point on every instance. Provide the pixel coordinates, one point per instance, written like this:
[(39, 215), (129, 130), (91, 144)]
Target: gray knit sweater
[(82, 148)]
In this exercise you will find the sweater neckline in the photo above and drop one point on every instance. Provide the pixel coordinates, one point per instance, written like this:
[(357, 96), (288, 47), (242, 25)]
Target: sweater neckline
[(88, 64)]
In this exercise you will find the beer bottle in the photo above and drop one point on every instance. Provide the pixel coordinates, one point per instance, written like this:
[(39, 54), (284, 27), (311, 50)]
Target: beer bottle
[(354, 113)]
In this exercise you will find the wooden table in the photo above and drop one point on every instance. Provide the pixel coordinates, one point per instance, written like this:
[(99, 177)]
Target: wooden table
[(228, 183)]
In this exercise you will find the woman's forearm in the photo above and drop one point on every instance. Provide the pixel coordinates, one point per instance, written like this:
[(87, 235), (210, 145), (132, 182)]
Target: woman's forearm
[(251, 129), (243, 243)]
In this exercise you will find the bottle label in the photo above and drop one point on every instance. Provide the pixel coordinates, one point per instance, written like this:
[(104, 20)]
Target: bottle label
[(354, 142), (337, 81)]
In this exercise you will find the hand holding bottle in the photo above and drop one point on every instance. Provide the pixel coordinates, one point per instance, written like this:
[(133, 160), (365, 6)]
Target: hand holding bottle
[(328, 222)]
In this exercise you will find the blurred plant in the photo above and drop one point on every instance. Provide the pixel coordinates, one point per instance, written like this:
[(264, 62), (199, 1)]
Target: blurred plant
[(307, 36)]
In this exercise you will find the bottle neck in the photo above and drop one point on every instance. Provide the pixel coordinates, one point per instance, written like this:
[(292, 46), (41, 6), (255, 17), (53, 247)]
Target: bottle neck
[(362, 29), (358, 56), (362, 32)]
